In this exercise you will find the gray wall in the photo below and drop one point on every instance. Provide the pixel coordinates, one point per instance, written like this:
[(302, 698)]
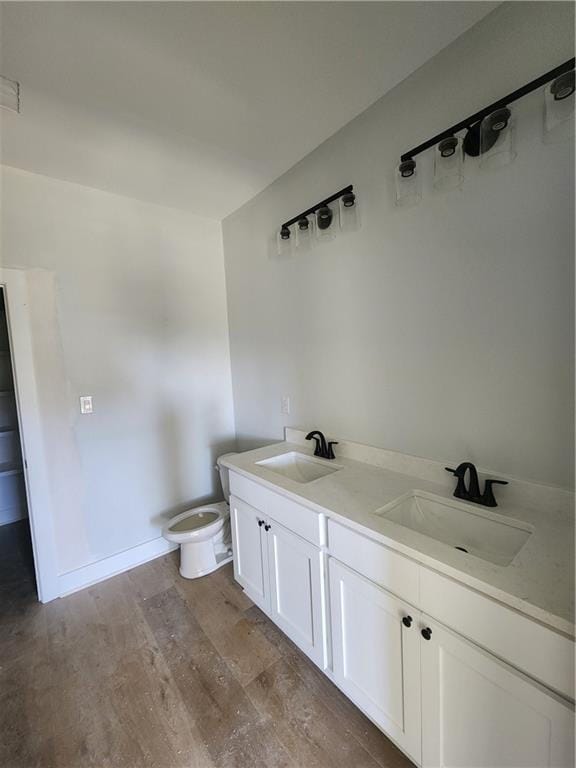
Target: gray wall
[(131, 309), (443, 330)]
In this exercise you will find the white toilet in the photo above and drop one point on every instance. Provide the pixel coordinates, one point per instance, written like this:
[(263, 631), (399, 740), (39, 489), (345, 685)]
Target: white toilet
[(203, 533)]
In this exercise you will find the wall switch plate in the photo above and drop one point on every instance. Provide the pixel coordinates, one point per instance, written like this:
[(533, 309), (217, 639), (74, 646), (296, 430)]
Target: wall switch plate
[(86, 404), (285, 405)]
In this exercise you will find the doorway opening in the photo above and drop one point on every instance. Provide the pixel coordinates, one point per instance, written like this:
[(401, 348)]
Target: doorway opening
[(17, 576)]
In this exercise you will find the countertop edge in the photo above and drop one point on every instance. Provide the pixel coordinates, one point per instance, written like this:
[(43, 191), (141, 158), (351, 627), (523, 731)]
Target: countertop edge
[(550, 620)]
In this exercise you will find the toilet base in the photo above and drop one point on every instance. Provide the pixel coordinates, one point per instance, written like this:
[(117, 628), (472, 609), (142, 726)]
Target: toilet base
[(199, 558), (218, 561)]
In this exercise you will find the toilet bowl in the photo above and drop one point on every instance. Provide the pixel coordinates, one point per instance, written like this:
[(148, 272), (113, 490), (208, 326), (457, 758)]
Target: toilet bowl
[(203, 534)]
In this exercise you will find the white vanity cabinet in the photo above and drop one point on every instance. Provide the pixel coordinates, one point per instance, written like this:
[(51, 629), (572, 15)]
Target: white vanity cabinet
[(453, 676), (446, 689), (479, 711), (443, 700), (281, 573), (376, 654)]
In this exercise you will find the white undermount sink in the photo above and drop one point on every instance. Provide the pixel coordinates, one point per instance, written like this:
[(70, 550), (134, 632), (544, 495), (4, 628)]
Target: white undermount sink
[(482, 533), (299, 467)]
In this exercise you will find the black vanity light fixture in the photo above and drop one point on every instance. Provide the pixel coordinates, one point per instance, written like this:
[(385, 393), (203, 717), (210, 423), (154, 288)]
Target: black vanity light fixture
[(323, 212), (407, 168), (348, 199), (484, 127), (324, 217), (319, 223), (563, 86), (447, 147)]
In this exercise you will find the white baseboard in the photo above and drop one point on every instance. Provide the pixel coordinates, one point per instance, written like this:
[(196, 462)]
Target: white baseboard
[(111, 566), (12, 515)]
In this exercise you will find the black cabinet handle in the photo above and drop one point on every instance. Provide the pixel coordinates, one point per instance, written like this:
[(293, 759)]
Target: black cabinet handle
[(426, 633), (260, 523), (407, 621), (267, 527)]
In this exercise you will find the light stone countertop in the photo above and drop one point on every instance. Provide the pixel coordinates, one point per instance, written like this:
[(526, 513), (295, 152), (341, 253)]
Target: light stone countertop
[(538, 583)]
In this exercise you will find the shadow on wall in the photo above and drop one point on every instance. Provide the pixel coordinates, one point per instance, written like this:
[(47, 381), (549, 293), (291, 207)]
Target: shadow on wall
[(251, 442), (178, 476)]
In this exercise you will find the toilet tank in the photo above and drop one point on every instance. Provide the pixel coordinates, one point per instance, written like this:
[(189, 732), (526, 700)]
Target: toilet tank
[(224, 475)]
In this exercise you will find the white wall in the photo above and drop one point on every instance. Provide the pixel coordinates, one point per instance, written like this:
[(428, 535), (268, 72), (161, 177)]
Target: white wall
[(136, 295), (444, 330)]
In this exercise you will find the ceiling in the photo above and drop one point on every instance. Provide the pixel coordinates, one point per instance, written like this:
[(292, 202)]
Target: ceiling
[(201, 105)]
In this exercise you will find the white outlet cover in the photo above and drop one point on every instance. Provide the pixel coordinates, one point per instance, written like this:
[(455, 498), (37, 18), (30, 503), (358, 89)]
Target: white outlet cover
[(86, 404), (285, 405)]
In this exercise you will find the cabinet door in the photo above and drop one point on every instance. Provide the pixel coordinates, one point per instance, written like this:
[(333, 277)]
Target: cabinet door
[(295, 589), (250, 553), (376, 656), (478, 712)]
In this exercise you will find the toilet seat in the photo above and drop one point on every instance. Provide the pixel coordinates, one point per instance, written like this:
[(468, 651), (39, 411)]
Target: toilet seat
[(197, 524)]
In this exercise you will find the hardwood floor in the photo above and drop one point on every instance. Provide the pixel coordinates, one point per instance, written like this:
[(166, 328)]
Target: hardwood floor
[(148, 669)]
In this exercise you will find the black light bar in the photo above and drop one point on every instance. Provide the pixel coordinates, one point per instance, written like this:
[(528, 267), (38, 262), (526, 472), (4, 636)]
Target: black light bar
[(321, 204), (469, 122)]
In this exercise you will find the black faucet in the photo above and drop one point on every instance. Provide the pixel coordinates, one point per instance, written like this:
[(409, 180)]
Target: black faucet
[(322, 449), (472, 492)]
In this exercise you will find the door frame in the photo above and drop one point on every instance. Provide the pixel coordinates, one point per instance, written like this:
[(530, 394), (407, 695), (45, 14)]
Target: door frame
[(34, 451)]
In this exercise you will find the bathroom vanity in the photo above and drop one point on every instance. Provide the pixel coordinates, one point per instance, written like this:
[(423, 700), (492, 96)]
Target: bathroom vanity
[(461, 659)]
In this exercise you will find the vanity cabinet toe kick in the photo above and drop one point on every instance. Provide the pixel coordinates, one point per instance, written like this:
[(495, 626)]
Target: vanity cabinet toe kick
[(450, 675)]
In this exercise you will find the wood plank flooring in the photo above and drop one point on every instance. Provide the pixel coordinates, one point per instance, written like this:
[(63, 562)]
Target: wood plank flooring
[(150, 670)]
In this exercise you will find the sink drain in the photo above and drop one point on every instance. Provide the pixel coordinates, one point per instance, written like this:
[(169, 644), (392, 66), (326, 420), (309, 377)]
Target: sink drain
[(461, 549)]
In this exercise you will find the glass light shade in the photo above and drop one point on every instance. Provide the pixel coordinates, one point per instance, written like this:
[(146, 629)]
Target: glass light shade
[(304, 229), (448, 164), (408, 191), (285, 241), (349, 213), (559, 109), (326, 224), (497, 139)]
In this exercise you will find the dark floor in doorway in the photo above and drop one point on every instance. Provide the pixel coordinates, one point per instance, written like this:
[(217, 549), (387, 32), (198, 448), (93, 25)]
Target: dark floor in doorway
[(17, 581)]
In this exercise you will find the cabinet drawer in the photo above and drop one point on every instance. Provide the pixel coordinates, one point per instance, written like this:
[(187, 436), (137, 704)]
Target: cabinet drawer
[(296, 518), (378, 563), (529, 646)]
